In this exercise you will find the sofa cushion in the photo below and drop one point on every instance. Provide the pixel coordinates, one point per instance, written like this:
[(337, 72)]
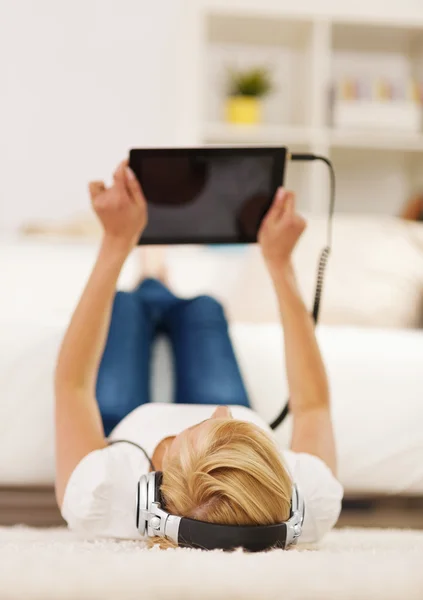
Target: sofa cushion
[(374, 276)]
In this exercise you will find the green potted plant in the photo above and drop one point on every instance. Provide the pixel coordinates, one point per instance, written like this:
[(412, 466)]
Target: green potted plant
[(246, 89)]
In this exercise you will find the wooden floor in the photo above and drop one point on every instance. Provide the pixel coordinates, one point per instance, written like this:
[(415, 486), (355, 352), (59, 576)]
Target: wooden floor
[(386, 512), (29, 506), (37, 507)]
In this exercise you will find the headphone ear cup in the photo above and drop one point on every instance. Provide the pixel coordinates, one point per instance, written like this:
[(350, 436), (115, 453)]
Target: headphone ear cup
[(142, 495), (148, 492), (157, 484), (301, 507), (294, 525), (137, 506)]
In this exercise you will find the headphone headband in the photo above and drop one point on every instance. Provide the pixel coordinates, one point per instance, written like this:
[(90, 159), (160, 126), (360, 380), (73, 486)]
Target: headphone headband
[(153, 520)]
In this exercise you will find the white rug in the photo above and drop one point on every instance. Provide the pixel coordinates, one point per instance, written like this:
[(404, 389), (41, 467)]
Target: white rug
[(349, 564)]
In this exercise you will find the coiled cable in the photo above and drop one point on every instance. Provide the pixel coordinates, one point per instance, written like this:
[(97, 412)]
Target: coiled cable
[(323, 261)]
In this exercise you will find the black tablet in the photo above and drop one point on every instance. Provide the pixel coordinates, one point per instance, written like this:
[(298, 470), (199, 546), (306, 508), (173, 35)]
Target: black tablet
[(207, 195)]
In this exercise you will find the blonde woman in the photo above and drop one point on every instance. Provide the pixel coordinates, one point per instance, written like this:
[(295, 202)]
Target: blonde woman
[(219, 460)]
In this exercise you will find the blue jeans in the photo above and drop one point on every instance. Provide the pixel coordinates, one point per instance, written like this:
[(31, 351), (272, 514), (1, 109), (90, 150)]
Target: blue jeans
[(206, 369)]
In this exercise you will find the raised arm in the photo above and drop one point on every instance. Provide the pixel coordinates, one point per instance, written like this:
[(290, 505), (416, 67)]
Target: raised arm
[(79, 430), (308, 386)]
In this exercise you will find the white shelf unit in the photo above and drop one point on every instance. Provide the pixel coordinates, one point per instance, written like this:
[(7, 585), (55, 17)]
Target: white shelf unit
[(306, 54), (377, 170)]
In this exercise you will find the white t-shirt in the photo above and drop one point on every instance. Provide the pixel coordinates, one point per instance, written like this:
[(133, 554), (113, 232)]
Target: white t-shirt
[(100, 495)]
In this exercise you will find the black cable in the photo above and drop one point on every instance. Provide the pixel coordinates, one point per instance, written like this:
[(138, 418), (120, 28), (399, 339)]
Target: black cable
[(324, 257), (111, 442)]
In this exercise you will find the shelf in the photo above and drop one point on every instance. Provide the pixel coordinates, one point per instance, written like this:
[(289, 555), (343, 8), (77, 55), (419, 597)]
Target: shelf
[(376, 38), (222, 133), (394, 16), (232, 29), (397, 141)]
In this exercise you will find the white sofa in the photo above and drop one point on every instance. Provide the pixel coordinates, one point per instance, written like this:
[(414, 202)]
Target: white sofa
[(376, 382), (369, 340)]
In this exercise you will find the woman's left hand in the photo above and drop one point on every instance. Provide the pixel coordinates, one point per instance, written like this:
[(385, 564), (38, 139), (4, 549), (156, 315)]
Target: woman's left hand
[(122, 208)]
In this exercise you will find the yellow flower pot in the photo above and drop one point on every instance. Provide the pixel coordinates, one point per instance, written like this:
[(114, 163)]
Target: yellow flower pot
[(243, 110)]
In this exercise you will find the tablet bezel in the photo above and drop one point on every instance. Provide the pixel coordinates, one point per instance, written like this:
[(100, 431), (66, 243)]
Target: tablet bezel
[(279, 155)]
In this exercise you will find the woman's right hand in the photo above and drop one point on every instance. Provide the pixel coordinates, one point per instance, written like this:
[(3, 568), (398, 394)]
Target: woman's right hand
[(122, 208), (280, 231)]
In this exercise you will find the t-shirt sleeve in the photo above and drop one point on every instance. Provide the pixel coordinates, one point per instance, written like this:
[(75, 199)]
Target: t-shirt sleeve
[(100, 495), (321, 491)]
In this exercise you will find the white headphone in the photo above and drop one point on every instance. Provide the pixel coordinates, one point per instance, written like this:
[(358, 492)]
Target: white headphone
[(153, 520)]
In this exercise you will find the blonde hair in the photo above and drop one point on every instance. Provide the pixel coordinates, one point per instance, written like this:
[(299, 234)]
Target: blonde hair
[(234, 475)]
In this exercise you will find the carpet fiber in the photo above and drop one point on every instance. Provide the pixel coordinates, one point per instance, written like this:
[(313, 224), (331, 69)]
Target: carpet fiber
[(348, 564)]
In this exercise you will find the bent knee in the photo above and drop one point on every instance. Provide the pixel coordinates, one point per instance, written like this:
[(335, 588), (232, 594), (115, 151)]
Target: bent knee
[(206, 307)]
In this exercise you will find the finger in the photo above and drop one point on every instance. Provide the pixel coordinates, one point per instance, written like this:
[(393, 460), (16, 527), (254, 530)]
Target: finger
[(280, 203), (277, 206), (118, 170), (302, 223), (290, 204), (133, 187), (96, 188), (119, 179)]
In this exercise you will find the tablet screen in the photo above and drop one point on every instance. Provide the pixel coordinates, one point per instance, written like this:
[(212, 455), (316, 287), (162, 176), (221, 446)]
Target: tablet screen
[(206, 196)]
